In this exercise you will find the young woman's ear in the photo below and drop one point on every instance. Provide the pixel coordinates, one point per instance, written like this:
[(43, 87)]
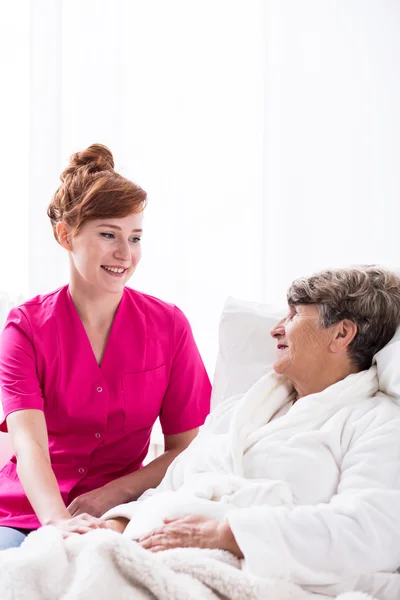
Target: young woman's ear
[(344, 334), (63, 235)]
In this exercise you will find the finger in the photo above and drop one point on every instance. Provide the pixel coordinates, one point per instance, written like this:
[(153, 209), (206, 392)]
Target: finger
[(94, 524), (81, 529), (71, 505), (160, 548), (146, 544), (156, 548), (154, 540), (78, 522), (152, 533), (79, 509), (172, 519), (90, 525), (74, 510), (88, 517), (102, 523)]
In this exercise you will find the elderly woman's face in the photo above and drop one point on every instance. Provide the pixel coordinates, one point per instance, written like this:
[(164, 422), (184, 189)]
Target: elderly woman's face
[(302, 344)]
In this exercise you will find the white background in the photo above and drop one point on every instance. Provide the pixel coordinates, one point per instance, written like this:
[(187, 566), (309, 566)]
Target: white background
[(267, 135)]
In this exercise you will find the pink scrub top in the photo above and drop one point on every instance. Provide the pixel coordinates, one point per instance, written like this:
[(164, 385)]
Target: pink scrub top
[(99, 418)]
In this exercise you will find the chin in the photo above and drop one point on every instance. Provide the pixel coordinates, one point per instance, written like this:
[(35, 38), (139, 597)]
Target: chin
[(114, 289), (279, 367)]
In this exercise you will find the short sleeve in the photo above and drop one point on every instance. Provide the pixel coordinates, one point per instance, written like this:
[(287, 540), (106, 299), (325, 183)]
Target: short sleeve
[(19, 383), (186, 402)]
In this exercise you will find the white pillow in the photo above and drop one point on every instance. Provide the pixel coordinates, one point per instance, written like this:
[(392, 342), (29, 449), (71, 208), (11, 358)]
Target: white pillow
[(388, 366), (246, 348), (246, 351)]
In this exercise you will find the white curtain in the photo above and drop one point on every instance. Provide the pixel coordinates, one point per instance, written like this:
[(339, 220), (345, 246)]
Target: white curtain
[(14, 149), (265, 132), (332, 142), (175, 89)]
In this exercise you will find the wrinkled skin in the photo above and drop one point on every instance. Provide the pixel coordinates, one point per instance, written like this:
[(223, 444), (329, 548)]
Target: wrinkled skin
[(312, 357), (191, 532)]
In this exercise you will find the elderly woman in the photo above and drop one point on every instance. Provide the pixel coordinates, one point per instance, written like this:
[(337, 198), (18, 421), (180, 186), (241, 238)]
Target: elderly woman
[(301, 475)]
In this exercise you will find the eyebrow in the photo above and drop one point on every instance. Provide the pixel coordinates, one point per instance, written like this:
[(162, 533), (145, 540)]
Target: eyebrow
[(109, 226)]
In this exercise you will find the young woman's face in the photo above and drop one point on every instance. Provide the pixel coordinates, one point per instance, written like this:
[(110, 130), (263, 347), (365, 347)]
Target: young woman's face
[(105, 252)]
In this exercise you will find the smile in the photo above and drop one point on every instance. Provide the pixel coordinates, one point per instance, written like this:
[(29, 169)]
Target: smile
[(115, 271)]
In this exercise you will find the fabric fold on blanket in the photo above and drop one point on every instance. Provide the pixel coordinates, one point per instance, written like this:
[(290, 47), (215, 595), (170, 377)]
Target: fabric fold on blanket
[(306, 518), (103, 563)]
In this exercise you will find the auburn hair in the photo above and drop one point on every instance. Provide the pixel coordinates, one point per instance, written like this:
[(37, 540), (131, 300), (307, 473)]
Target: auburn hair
[(91, 189)]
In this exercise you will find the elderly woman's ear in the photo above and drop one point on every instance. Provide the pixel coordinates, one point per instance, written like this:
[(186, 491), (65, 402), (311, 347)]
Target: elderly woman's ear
[(344, 333)]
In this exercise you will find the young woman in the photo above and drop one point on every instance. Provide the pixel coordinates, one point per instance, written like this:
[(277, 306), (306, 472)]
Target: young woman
[(87, 369)]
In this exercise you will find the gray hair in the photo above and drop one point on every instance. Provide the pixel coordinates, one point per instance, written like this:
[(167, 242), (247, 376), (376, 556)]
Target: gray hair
[(367, 295)]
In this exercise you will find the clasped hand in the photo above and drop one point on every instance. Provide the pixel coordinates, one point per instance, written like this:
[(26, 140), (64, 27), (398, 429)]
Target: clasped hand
[(81, 524), (85, 510)]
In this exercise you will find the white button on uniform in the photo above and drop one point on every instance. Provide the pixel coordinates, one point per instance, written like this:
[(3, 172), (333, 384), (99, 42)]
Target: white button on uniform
[(97, 435), (81, 470), (99, 389)]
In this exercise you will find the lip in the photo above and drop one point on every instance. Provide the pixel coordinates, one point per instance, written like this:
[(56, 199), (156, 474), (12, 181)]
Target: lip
[(117, 275), (281, 346)]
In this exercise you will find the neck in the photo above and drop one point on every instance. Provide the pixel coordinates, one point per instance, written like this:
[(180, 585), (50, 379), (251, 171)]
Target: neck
[(317, 381), (95, 309)]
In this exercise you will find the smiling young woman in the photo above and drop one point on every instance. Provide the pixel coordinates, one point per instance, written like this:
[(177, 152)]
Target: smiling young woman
[(87, 369)]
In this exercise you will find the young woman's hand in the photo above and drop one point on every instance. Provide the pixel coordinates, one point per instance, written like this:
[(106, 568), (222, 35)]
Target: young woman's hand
[(96, 502), (80, 524)]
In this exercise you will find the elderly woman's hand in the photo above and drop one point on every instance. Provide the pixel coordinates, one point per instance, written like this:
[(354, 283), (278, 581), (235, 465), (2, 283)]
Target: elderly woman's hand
[(191, 532)]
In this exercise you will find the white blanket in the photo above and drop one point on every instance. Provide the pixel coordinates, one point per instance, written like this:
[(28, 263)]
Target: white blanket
[(103, 565), (312, 496)]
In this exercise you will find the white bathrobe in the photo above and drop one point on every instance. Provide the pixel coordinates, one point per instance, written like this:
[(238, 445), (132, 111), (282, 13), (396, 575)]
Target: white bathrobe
[(311, 490)]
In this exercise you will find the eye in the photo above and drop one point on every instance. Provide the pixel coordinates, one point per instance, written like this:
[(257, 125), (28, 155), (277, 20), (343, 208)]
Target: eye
[(292, 314), (107, 235), (135, 240)]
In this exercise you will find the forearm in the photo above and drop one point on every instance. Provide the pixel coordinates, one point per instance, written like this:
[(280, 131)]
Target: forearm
[(228, 540), (118, 524), (134, 485), (40, 484)]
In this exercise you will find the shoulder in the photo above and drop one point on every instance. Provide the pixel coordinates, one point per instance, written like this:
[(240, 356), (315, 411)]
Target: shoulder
[(148, 301), (378, 417), (379, 408), (156, 309), (37, 310)]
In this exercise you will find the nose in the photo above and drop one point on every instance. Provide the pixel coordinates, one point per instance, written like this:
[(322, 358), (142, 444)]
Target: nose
[(122, 251), (279, 329)]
